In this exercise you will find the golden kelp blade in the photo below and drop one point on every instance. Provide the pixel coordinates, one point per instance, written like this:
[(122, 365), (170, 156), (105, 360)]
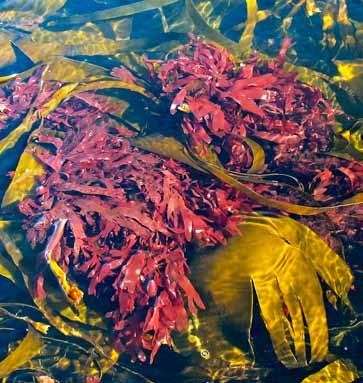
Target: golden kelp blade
[(168, 147), (354, 136), (21, 75), (39, 326), (112, 83), (351, 73), (206, 9), (112, 13), (65, 70), (82, 41), (12, 138), (19, 190), (348, 144), (73, 89), (7, 56), (344, 149), (205, 332), (57, 98), (258, 155), (282, 258), (60, 356), (72, 292), (28, 348), (24, 179), (9, 271), (212, 35), (339, 371), (210, 352), (24, 8), (171, 148), (41, 52), (134, 62), (246, 39)]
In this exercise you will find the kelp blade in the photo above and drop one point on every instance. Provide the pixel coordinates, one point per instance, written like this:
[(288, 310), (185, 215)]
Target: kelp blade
[(291, 256), (246, 39), (258, 155), (113, 13), (24, 179), (339, 371), (161, 145), (72, 89), (21, 8), (65, 70), (212, 35), (9, 271), (168, 147), (39, 326), (28, 348), (21, 75), (86, 325), (55, 307), (23, 128)]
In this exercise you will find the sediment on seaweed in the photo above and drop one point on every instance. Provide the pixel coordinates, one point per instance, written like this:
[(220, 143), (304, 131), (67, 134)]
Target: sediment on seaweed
[(126, 219)]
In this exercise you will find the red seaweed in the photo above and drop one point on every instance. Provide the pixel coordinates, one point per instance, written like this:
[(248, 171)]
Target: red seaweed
[(130, 218), (256, 99)]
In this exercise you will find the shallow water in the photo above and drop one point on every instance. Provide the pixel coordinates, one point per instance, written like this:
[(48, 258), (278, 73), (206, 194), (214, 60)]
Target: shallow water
[(327, 39)]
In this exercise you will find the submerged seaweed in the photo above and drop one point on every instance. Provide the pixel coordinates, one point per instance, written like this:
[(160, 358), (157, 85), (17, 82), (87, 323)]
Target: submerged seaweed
[(125, 218), (109, 220)]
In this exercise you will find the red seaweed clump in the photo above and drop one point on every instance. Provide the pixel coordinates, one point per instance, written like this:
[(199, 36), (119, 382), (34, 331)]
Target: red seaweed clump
[(124, 219), (222, 103), (229, 102), (17, 96)]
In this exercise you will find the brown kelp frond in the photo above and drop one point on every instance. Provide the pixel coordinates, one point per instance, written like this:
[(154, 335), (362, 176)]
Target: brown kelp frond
[(285, 278)]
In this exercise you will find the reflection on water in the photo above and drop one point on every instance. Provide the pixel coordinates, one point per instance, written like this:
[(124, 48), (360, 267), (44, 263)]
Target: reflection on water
[(265, 318)]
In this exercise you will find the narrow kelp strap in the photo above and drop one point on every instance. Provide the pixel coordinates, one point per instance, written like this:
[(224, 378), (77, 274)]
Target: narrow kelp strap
[(246, 39), (21, 75), (109, 14), (282, 205), (73, 89), (172, 148)]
